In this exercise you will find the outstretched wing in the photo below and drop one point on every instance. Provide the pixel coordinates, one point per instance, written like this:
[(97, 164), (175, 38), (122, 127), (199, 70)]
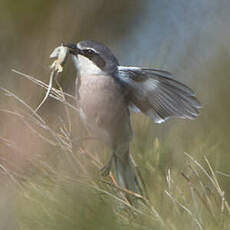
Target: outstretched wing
[(155, 93)]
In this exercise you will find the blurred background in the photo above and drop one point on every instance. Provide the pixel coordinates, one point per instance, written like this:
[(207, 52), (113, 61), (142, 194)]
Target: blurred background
[(44, 183)]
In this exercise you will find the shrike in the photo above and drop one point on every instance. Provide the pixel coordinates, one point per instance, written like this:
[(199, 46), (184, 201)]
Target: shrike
[(107, 91)]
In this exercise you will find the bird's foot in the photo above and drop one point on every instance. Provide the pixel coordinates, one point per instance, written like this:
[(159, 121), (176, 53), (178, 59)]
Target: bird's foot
[(105, 170)]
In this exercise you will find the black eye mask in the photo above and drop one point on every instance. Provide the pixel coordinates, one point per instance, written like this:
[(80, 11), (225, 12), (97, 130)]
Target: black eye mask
[(94, 57)]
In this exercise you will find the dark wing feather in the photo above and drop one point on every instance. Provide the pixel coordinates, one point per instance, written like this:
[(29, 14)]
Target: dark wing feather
[(155, 93)]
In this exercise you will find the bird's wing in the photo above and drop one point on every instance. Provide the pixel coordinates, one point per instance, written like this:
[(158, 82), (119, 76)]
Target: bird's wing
[(155, 93)]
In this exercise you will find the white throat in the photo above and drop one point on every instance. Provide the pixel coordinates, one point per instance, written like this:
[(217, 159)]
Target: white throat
[(85, 65)]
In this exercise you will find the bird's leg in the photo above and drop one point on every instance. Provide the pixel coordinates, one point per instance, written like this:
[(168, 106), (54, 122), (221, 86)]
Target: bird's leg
[(107, 167)]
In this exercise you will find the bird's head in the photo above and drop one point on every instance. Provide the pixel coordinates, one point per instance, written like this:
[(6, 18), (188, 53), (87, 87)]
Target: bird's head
[(93, 57)]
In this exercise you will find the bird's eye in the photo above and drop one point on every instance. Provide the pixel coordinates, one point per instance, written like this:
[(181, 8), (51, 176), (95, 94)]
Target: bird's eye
[(88, 52), (94, 57)]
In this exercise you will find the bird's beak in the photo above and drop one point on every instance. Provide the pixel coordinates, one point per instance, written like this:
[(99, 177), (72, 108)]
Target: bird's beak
[(72, 48)]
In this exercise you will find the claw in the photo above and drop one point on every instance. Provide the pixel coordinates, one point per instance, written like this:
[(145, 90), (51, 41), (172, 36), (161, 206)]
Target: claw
[(105, 170)]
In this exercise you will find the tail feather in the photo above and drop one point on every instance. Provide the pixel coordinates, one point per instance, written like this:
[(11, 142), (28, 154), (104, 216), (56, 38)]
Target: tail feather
[(126, 175)]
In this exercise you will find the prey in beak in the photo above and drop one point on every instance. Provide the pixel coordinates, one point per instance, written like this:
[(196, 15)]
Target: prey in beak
[(60, 54)]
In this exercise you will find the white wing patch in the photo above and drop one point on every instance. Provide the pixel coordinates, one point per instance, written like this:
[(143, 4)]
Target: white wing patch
[(157, 94), (150, 84)]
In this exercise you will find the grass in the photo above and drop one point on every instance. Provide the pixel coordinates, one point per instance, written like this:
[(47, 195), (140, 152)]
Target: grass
[(60, 187)]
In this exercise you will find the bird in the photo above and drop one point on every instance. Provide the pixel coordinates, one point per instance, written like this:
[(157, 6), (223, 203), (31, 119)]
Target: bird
[(107, 92)]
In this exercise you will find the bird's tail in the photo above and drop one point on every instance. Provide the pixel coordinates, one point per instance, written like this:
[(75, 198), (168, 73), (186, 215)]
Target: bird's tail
[(126, 174)]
